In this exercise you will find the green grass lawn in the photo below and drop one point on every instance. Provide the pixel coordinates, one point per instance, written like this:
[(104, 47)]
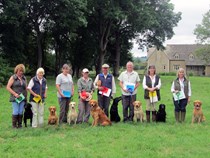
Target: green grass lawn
[(132, 140)]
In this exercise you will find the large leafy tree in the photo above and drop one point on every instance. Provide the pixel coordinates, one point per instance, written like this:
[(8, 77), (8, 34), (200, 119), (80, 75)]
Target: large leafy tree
[(202, 32), (151, 21), (65, 16), (14, 31)]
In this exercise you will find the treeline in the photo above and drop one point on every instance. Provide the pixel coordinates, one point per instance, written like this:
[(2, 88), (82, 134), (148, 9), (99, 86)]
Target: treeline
[(83, 33)]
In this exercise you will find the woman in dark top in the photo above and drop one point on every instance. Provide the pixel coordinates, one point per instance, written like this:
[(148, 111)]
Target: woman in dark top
[(17, 87)]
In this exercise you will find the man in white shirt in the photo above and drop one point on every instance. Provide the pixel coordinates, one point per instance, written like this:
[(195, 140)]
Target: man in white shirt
[(128, 78)]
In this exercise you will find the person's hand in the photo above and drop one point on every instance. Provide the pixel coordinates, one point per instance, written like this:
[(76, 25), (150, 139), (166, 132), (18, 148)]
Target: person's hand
[(101, 88), (36, 95), (151, 89), (82, 97), (62, 96), (16, 95), (176, 91), (125, 90), (188, 101), (45, 95)]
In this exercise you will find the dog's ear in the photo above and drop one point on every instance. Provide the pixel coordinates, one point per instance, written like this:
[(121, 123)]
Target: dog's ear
[(200, 102), (49, 108)]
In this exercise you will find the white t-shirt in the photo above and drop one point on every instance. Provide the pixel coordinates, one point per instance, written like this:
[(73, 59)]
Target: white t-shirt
[(65, 82), (126, 77)]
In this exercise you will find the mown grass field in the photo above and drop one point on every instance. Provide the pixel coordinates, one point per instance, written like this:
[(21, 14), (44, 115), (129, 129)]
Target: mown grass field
[(132, 140)]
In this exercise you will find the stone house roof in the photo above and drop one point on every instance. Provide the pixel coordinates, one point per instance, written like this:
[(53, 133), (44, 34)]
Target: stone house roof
[(181, 52)]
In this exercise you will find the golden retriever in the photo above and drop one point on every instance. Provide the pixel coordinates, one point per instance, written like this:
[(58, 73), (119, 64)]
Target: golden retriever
[(72, 116), (138, 112), (52, 119), (197, 112), (99, 117)]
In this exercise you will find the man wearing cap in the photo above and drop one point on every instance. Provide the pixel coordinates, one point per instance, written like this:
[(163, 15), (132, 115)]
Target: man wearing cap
[(85, 90), (65, 88), (129, 81), (106, 81)]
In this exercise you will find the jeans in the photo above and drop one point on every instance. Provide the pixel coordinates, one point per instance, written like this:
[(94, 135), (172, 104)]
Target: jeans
[(18, 108)]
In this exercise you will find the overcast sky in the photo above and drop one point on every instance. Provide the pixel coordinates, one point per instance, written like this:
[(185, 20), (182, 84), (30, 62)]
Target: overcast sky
[(192, 14)]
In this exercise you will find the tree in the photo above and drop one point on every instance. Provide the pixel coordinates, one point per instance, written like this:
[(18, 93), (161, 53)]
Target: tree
[(202, 32), (13, 33), (62, 23)]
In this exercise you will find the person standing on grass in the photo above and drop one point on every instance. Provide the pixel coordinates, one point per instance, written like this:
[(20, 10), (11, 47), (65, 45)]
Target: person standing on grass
[(181, 90), (65, 88), (129, 82), (151, 84), (17, 86), (38, 92), (105, 82), (85, 90)]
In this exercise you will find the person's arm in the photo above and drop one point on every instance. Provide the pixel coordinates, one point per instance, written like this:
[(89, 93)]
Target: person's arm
[(79, 85), (113, 86), (137, 82), (159, 84), (95, 82), (173, 88), (92, 87), (45, 93), (59, 90), (144, 83), (122, 87), (9, 85), (137, 85), (30, 85), (58, 82), (189, 92), (72, 90)]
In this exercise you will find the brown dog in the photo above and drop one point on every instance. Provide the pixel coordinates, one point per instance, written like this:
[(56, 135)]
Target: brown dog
[(72, 116), (99, 117), (52, 119), (138, 112), (197, 112)]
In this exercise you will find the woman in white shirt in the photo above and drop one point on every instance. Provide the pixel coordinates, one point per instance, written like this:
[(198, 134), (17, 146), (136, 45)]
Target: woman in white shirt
[(151, 84), (181, 90)]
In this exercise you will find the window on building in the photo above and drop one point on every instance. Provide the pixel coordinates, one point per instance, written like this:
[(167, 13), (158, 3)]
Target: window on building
[(176, 56), (191, 57), (176, 67)]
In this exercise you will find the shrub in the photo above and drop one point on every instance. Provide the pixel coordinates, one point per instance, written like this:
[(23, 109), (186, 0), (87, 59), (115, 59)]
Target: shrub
[(5, 71), (167, 73)]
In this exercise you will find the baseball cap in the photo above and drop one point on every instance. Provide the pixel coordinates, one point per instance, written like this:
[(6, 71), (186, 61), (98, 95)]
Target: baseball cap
[(105, 65), (85, 70)]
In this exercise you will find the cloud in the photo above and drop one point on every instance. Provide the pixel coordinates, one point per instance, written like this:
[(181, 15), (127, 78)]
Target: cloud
[(192, 14)]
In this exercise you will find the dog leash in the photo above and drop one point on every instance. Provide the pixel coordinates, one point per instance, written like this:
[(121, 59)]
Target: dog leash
[(178, 94)]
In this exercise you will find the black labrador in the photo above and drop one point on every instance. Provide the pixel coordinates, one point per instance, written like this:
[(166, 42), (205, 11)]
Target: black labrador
[(27, 114), (161, 113), (114, 116)]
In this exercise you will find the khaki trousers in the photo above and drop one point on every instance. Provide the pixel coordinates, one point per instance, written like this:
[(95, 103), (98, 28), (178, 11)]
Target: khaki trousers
[(38, 114)]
